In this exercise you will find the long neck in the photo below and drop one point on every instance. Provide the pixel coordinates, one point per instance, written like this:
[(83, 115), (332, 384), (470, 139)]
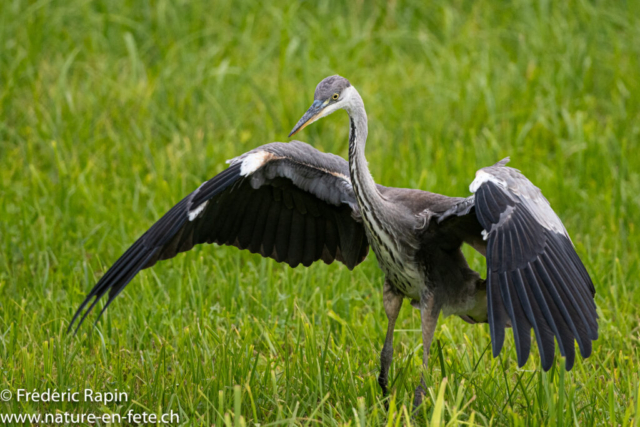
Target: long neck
[(361, 179)]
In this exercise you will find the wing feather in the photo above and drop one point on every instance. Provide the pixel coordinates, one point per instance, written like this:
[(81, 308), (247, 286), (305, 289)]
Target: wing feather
[(296, 244), (310, 242), (519, 322), (282, 234)]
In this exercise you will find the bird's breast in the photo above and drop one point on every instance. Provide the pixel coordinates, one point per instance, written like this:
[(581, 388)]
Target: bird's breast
[(399, 267)]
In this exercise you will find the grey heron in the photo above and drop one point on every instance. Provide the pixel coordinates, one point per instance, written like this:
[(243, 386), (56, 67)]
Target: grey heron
[(297, 205)]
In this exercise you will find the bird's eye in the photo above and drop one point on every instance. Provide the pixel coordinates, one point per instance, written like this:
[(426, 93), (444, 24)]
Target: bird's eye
[(335, 96)]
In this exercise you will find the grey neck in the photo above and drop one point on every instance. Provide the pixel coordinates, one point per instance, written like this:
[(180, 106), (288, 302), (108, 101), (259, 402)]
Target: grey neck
[(361, 179)]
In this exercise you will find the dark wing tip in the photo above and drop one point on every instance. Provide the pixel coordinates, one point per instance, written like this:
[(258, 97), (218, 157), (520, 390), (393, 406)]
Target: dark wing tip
[(142, 253), (115, 280)]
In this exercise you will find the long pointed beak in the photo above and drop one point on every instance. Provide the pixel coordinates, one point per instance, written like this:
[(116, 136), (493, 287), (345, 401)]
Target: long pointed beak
[(313, 113)]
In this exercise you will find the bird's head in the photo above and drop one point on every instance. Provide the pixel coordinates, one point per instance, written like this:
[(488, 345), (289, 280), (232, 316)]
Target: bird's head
[(332, 93)]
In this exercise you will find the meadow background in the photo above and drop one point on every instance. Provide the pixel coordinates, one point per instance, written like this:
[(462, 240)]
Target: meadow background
[(112, 111)]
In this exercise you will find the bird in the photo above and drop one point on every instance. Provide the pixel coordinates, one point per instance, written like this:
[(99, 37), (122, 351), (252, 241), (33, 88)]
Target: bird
[(297, 205)]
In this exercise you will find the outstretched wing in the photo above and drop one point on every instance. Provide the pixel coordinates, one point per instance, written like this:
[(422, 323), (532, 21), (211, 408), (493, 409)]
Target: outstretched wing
[(535, 279), (286, 201)]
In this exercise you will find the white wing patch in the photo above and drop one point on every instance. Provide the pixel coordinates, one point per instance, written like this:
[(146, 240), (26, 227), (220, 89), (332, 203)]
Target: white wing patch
[(193, 214), (482, 177), (254, 161)]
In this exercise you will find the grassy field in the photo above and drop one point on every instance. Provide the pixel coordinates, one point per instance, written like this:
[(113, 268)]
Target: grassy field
[(112, 111)]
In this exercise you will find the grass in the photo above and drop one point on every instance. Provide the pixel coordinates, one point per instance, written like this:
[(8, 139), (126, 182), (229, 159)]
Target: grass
[(111, 111)]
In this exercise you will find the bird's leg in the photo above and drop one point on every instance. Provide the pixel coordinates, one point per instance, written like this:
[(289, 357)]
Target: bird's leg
[(429, 311), (392, 304)]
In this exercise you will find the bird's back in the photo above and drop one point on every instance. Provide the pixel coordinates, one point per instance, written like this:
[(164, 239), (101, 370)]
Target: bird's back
[(419, 201)]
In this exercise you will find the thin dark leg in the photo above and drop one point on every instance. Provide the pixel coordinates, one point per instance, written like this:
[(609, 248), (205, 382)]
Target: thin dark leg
[(392, 305), (429, 312)]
